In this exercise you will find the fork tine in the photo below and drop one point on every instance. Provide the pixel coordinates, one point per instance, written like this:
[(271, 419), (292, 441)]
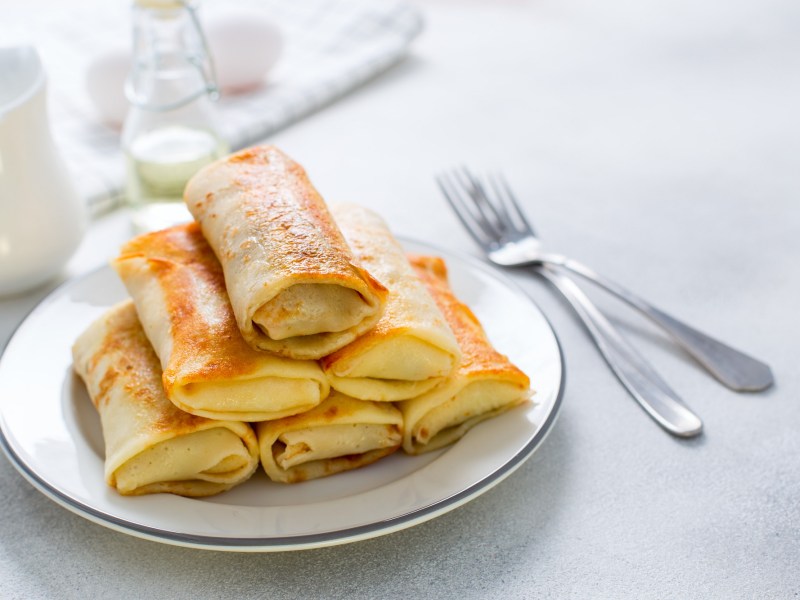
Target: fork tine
[(500, 204), (471, 223), (474, 199), (477, 193), (510, 202)]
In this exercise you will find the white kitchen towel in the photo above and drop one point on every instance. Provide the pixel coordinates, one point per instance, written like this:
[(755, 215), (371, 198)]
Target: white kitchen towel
[(331, 47)]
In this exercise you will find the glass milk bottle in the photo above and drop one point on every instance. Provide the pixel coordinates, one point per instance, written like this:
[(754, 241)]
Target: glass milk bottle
[(170, 131)]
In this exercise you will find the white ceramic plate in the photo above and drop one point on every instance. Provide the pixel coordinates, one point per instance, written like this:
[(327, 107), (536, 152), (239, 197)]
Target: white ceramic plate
[(52, 435)]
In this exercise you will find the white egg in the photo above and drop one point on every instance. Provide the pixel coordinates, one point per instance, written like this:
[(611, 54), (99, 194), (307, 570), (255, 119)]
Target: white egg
[(105, 84), (244, 45)]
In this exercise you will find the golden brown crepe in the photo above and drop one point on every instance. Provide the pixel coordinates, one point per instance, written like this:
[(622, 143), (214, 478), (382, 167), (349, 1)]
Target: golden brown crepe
[(484, 384), (412, 348), (340, 434), (209, 370), (152, 446), (292, 280)]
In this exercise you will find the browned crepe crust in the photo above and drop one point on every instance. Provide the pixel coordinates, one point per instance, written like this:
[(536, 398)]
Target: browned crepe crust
[(179, 289), (411, 349), (123, 378), (480, 364), (271, 230)]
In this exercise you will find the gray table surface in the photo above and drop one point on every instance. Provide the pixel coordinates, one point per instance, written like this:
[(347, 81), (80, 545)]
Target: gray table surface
[(659, 142)]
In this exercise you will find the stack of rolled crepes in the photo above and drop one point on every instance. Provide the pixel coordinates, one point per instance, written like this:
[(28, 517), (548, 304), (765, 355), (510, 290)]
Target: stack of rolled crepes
[(273, 316)]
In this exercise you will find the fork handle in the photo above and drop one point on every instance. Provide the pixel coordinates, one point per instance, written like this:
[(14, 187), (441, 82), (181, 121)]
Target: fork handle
[(731, 367), (634, 372)]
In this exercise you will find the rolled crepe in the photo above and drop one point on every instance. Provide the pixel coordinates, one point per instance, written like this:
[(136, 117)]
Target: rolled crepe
[(292, 280), (340, 434), (209, 370), (412, 348), (152, 446), (483, 385)]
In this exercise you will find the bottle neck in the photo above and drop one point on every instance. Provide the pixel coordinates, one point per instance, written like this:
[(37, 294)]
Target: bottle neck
[(171, 65)]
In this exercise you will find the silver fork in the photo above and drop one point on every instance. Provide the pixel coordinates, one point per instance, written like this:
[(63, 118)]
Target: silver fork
[(491, 214), (640, 379), (643, 383)]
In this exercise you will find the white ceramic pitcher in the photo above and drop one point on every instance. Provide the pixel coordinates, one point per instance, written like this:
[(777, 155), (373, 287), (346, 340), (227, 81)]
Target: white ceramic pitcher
[(42, 218)]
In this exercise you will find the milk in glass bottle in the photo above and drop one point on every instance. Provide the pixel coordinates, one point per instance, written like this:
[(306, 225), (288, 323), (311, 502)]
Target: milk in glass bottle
[(170, 131)]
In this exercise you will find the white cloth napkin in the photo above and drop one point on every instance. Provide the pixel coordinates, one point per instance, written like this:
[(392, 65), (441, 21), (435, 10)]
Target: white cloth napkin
[(331, 47)]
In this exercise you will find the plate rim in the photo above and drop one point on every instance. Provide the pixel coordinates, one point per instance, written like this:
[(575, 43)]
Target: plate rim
[(301, 541)]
